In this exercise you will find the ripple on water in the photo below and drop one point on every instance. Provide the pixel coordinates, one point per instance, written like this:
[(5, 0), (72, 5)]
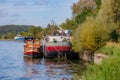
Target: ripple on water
[(13, 66)]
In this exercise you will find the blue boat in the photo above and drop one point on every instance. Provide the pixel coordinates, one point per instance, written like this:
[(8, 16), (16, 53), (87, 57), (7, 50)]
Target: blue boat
[(19, 38)]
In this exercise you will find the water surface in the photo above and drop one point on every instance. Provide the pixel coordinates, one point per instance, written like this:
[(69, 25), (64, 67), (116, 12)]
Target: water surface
[(13, 66)]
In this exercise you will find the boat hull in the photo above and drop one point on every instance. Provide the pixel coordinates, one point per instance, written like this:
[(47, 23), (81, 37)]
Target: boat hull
[(33, 53), (59, 49)]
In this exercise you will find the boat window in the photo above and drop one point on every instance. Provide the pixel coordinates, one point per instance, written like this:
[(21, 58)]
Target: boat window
[(30, 42), (36, 42), (56, 34), (63, 34)]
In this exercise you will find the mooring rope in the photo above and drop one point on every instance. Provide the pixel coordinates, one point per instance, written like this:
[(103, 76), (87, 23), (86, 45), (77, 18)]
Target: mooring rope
[(72, 64), (67, 60), (63, 56)]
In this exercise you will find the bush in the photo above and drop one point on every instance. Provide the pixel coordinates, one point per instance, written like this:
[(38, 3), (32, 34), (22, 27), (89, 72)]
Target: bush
[(91, 35)]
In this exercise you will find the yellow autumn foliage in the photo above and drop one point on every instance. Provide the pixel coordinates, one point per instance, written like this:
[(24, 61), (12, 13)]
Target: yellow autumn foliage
[(91, 35)]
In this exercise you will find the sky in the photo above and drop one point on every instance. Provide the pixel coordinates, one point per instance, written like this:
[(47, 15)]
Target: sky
[(35, 12)]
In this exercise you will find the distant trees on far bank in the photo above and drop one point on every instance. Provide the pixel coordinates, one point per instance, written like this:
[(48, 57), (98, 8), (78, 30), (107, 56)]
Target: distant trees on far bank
[(10, 31)]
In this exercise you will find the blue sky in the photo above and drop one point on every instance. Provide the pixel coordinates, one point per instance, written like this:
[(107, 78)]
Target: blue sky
[(35, 12)]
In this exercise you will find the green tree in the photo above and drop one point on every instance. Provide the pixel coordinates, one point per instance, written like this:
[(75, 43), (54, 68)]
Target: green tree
[(11, 35), (69, 24), (82, 5), (11, 30), (84, 8), (51, 27), (94, 32), (34, 31), (4, 37), (25, 34), (107, 14)]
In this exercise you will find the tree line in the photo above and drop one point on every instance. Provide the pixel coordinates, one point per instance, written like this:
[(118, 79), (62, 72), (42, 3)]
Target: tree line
[(10, 31)]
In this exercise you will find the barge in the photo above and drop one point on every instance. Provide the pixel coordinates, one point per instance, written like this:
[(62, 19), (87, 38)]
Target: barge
[(58, 45)]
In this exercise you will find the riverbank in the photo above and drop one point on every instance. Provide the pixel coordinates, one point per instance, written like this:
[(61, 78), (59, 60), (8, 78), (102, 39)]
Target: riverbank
[(108, 69)]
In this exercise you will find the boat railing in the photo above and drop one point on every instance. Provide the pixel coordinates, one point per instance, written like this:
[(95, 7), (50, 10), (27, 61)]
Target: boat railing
[(32, 43), (58, 43)]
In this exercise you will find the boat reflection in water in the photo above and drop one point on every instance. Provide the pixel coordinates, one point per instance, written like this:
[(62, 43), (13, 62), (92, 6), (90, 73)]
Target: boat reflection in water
[(31, 68), (47, 69), (31, 61)]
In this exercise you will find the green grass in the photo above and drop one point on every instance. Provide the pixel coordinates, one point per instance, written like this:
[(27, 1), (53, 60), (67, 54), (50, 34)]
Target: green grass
[(109, 69), (110, 50)]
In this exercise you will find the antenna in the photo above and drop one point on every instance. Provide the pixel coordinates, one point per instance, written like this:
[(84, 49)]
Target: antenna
[(52, 23), (59, 27)]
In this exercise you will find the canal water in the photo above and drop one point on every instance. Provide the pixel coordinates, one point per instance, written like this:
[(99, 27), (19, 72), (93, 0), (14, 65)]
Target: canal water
[(13, 66)]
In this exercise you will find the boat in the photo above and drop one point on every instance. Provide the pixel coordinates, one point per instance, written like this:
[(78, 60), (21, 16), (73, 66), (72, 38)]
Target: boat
[(32, 48), (19, 38), (58, 45)]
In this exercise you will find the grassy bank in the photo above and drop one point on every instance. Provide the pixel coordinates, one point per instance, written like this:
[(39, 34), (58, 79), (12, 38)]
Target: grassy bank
[(109, 69), (111, 49)]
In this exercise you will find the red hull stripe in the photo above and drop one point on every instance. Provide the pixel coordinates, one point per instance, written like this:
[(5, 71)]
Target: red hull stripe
[(31, 53), (58, 48)]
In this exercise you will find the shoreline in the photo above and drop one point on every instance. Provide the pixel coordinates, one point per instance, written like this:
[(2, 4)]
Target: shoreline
[(6, 39)]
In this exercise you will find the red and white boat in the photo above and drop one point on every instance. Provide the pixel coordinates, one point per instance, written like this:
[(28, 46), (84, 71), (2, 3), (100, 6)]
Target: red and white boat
[(58, 44), (32, 48)]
